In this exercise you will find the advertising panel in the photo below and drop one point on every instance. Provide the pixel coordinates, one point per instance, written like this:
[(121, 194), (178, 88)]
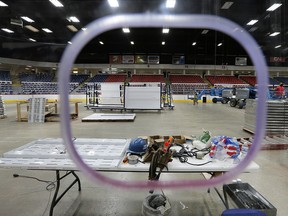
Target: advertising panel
[(115, 59), (141, 59), (153, 59), (128, 59), (179, 60)]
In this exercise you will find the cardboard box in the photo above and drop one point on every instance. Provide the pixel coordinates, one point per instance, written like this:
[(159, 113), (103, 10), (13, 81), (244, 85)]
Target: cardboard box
[(179, 139), (159, 141), (151, 139)]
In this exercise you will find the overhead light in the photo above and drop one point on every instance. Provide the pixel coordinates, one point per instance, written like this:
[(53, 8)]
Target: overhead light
[(132, 42), (84, 29), (227, 5), (252, 22), (31, 28), (113, 3), (163, 42), (165, 30), (274, 7), (69, 42), (72, 28), (101, 42), (27, 19), (274, 34), (56, 3), (220, 44), (126, 30), (205, 31), (7, 30), (2, 4), (277, 46), (47, 30), (73, 19), (170, 3), (31, 39), (194, 43)]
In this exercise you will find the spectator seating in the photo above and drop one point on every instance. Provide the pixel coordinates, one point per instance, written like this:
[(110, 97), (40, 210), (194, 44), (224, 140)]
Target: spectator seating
[(187, 88), (147, 78), (273, 81), (6, 87), (116, 78), (5, 75), (185, 79), (78, 78), (283, 80), (43, 87), (35, 77), (223, 79), (98, 78), (251, 80)]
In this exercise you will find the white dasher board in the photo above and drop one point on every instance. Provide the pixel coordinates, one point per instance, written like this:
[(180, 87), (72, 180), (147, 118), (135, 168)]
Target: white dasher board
[(109, 117), (87, 149)]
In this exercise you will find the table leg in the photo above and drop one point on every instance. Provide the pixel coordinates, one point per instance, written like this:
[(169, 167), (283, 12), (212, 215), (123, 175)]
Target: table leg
[(224, 200), (56, 199)]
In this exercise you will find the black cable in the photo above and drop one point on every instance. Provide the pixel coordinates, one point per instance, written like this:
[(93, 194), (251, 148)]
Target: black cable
[(51, 184), (184, 154), (199, 164), (50, 187)]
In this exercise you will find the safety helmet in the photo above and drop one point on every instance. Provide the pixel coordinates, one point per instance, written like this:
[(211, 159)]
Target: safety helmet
[(137, 146)]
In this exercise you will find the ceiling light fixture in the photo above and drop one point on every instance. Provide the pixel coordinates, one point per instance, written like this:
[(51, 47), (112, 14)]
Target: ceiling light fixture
[(72, 28), (69, 42), (252, 22), (274, 34), (47, 30), (56, 3), (278, 46), (220, 44), (274, 7), (2, 4), (84, 29), (101, 42), (73, 19), (31, 39), (205, 31), (170, 3), (126, 30), (31, 28), (163, 42), (113, 3), (165, 30), (194, 43), (7, 30), (27, 19), (132, 42), (227, 5)]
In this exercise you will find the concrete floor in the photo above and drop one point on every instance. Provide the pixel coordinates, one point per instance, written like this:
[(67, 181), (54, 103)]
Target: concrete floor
[(21, 196)]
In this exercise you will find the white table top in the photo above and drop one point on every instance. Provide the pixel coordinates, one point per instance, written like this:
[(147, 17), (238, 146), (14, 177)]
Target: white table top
[(47, 154)]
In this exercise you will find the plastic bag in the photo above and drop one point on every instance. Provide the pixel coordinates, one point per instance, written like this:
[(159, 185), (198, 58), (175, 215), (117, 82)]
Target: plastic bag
[(224, 147)]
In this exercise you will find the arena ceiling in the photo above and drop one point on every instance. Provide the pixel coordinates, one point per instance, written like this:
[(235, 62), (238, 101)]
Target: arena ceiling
[(38, 45)]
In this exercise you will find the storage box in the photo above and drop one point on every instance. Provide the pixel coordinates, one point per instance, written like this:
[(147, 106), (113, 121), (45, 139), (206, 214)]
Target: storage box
[(152, 139), (245, 196), (179, 139)]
